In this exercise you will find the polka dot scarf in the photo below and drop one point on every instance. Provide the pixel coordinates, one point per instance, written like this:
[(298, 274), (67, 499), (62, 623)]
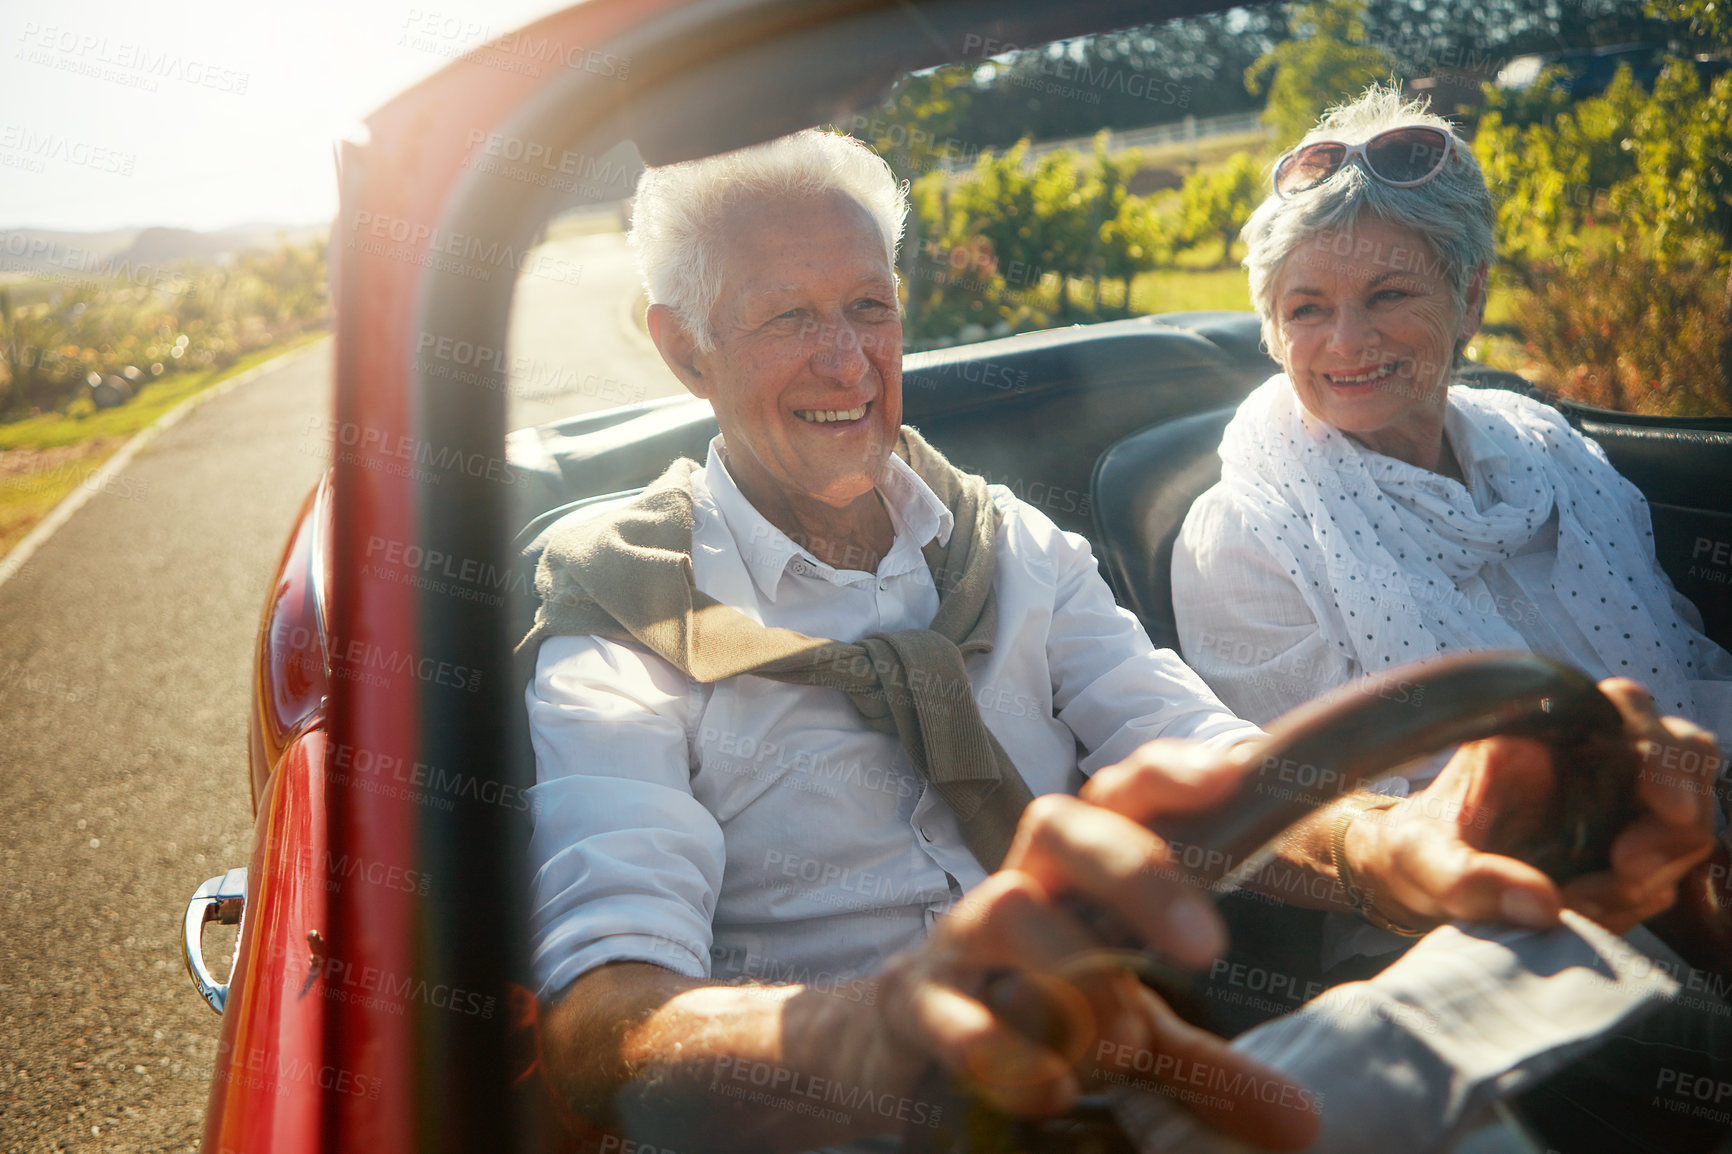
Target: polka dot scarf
[(1376, 545)]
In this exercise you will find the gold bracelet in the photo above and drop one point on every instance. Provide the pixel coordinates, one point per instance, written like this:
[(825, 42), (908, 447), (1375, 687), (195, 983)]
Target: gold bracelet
[(1352, 806)]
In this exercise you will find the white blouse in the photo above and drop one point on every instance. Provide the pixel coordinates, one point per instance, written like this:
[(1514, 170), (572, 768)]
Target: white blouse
[(1245, 626)]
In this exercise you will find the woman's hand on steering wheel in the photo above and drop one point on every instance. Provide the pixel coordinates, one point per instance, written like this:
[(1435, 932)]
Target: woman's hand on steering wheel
[(1434, 856), (1675, 826)]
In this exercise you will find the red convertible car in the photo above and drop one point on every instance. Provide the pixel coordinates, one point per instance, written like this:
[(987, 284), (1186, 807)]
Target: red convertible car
[(377, 999)]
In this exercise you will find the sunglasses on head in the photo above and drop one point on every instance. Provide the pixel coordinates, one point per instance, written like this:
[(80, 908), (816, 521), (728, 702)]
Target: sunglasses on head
[(1402, 157)]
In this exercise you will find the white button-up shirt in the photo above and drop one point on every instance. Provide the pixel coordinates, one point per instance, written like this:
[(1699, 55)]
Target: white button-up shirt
[(755, 829)]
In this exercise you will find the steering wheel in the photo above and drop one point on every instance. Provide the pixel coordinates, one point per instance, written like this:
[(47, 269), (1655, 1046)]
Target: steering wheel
[(1347, 739), (1332, 746)]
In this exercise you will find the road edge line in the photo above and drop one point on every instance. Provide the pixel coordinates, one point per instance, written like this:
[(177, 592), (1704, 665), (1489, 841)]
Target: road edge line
[(93, 484)]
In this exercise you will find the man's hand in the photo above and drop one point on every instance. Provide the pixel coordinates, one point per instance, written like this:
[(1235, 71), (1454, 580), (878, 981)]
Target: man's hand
[(1425, 860), (935, 1000), (659, 1052)]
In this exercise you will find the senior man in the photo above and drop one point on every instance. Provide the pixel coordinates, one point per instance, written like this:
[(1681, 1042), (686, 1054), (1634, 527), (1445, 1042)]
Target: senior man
[(789, 709)]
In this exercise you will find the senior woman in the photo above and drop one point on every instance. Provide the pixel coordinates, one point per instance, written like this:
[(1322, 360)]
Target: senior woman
[(1369, 513)]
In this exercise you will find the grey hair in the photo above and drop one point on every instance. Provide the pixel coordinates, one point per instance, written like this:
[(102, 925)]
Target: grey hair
[(677, 217), (1453, 210)]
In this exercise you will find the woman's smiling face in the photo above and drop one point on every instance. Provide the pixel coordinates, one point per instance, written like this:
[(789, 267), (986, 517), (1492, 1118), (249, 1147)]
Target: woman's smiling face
[(1366, 327)]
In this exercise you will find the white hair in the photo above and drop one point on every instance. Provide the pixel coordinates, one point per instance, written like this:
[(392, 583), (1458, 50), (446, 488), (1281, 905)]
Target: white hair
[(677, 217), (1452, 211)]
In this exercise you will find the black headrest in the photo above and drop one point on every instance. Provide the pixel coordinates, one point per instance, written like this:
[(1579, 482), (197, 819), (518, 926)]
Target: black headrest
[(1142, 488), (1031, 412)]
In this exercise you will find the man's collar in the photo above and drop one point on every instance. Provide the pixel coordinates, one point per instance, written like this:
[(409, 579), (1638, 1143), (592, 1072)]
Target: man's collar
[(916, 514)]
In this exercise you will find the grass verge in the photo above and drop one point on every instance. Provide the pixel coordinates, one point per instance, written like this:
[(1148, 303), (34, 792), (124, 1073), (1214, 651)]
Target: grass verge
[(1173, 291), (44, 458)]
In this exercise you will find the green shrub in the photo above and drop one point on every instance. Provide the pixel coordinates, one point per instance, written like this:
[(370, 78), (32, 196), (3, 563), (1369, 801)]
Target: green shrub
[(1614, 222), (202, 317), (1215, 203), (1626, 331), (1324, 62), (1013, 245)]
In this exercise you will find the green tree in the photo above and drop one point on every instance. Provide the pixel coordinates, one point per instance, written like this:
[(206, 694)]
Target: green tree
[(1007, 242), (1683, 146), (1478, 36), (200, 316), (1214, 204), (915, 129), (1554, 166), (1070, 217), (1709, 20), (1647, 171), (1615, 221), (1682, 142), (25, 333), (1037, 221), (1124, 79), (1326, 61), (950, 275), (1130, 237)]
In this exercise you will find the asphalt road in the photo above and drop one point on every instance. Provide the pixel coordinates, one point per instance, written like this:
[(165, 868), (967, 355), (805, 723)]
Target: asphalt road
[(125, 645), (125, 657), (603, 359)]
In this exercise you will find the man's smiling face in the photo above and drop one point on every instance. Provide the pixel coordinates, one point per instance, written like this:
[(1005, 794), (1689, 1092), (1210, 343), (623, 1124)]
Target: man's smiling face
[(806, 372), (1368, 338)]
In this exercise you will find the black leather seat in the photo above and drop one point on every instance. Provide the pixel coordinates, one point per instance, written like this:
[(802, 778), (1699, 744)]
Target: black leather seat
[(1031, 412), (1141, 490), (1144, 485)]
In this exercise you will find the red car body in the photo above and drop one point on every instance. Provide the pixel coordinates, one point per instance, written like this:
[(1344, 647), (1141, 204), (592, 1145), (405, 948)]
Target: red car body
[(319, 1047)]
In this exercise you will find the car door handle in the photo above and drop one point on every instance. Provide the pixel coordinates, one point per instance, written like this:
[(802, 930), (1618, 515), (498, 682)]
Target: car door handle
[(220, 899)]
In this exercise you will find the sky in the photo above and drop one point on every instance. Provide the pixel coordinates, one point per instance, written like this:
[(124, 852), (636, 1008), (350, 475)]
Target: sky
[(202, 115)]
